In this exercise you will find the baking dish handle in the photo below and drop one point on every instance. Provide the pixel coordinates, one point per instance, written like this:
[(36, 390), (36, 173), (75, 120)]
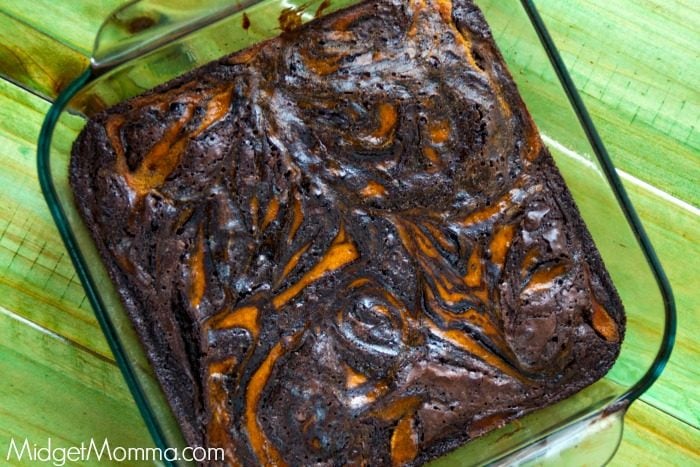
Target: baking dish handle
[(591, 441), (142, 26)]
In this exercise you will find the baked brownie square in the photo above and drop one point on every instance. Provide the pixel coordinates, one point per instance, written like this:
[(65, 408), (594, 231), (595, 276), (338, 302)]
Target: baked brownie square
[(348, 244)]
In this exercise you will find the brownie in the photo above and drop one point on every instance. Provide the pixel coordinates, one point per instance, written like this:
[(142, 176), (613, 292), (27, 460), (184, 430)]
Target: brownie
[(348, 244)]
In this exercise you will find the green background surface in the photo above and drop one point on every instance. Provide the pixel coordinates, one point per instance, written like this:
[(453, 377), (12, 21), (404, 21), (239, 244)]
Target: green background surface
[(637, 66)]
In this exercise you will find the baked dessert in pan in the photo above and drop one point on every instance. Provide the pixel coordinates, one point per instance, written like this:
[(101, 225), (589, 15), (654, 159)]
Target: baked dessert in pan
[(348, 244)]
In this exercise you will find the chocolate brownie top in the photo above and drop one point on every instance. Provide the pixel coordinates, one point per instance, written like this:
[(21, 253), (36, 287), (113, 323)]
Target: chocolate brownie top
[(348, 244)]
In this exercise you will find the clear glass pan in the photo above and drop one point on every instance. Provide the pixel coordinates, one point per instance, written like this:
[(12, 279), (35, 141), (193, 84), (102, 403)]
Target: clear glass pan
[(148, 42)]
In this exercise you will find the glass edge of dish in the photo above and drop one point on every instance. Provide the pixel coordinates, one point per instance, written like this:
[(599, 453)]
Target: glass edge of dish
[(91, 290), (633, 220)]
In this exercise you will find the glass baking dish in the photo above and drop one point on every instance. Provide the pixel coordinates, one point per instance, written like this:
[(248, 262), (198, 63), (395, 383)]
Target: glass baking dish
[(148, 42)]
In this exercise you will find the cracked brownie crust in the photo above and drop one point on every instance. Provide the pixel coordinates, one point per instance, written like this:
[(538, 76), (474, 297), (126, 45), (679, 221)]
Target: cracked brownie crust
[(348, 245)]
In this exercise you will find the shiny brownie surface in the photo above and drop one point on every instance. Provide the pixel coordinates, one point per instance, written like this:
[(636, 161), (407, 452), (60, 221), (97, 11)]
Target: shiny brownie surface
[(348, 245)]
